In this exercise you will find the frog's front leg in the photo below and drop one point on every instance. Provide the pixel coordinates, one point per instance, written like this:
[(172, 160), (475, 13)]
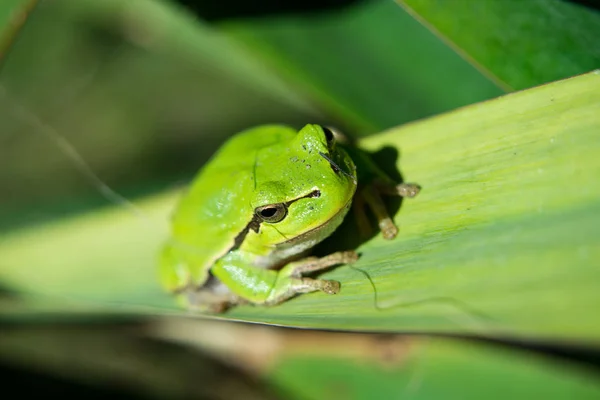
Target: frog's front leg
[(400, 189), (270, 287), (371, 195)]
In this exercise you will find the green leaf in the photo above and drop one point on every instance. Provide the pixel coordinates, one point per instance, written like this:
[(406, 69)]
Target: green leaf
[(503, 239), (434, 369), (520, 43), (371, 64)]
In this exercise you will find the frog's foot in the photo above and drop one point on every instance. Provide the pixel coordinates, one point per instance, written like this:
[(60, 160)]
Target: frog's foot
[(291, 287), (371, 195), (220, 307), (195, 300), (269, 287), (290, 281), (213, 297)]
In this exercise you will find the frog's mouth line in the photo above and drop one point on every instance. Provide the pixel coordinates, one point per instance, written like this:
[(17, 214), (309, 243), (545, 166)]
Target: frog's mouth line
[(318, 227), (255, 222)]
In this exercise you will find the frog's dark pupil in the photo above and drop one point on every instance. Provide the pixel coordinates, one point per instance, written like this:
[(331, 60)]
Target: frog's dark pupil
[(272, 213), (268, 212), (328, 134)]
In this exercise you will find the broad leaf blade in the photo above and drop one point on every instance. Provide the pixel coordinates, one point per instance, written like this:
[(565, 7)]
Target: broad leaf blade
[(503, 239), (521, 43)]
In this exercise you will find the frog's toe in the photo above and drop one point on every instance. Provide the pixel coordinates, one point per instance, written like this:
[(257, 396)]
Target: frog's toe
[(408, 189), (349, 257), (389, 230), (330, 287)]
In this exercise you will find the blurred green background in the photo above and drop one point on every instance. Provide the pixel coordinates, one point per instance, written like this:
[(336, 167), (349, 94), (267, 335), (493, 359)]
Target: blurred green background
[(145, 91)]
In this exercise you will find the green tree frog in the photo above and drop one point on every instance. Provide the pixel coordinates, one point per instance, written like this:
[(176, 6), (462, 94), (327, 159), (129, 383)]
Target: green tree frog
[(243, 231)]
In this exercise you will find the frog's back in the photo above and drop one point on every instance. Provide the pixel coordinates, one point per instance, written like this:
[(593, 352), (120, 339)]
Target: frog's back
[(216, 207)]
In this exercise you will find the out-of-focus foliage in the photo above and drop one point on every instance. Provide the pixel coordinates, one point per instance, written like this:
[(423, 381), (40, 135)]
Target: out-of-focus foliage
[(178, 358), (436, 369), (519, 43), (111, 358)]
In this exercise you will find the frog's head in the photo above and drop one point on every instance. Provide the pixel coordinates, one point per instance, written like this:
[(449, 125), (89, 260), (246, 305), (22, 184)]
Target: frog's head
[(304, 188)]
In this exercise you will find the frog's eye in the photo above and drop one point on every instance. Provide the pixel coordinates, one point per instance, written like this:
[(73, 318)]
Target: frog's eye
[(272, 212), (329, 135)]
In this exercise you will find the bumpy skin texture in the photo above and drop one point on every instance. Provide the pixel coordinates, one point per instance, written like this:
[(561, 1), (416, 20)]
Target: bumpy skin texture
[(218, 231)]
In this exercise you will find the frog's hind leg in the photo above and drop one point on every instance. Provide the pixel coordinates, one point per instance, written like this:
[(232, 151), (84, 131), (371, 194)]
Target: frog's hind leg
[(213, 297), (290, 281), (270, 287)]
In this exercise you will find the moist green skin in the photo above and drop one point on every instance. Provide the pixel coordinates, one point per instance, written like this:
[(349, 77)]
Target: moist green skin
[(218, 233)]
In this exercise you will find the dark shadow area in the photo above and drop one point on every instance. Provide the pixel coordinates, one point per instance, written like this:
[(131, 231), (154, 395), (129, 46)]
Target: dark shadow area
[(32, 383), (347, 236), (7, 293), (221, 11), (115, 360), (587, 357), (217, 11), (593, 4), (577, 355)]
